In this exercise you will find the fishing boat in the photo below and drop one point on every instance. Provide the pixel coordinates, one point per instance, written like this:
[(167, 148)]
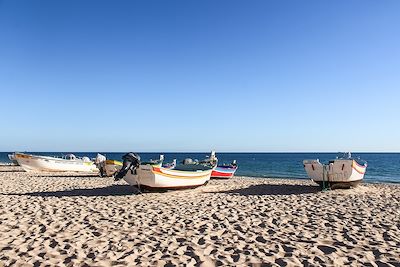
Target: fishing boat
[(153, 176), (220, 171), (224, 171), (12, 159), (342, 172), (68, 163), (107, 167)]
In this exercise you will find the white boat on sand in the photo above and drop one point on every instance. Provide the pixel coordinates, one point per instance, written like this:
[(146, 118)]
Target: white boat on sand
[(152, 176), (68, 163), (343, 172)]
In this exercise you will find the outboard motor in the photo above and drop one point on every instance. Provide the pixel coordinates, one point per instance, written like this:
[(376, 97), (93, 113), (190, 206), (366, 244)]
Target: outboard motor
[(131, 162)]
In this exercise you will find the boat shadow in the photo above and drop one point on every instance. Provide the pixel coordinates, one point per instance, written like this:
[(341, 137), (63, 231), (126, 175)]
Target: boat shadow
[(10, 168), (114, 190), (69, 175), (273, 190)]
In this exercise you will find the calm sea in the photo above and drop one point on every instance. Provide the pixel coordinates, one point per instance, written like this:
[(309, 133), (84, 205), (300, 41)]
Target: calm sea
[(382, 167)]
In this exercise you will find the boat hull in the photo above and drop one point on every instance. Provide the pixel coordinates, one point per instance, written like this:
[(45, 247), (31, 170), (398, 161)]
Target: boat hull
[(156, 178), (339, 185), (223, 172), (33, 163), (341, 173)]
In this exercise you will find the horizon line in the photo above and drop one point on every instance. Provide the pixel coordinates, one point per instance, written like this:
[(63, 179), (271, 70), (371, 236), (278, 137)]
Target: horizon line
[(233, 152)]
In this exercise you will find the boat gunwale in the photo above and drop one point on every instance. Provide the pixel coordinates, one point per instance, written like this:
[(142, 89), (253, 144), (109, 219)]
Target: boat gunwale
[(31, 156)]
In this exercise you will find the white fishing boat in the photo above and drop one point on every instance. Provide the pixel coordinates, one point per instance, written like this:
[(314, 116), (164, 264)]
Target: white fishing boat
[(152, 176), (68, 163), (342, 172)]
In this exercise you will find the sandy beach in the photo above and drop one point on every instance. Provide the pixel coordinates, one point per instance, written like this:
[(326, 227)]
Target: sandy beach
[(77, 220)]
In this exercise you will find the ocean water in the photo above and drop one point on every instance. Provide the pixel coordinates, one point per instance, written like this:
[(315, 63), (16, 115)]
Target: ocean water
[(382, 167)]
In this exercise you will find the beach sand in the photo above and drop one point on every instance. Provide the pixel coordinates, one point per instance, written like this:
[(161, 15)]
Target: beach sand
[(76, 220)]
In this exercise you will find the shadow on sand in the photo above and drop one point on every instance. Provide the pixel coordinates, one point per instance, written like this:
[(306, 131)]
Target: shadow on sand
[(114, 190), (70, 175), (11, 170), (273, 189)]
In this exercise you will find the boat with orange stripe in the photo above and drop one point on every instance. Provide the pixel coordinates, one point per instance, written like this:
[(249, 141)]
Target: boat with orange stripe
[(153, 176), (343, 172)]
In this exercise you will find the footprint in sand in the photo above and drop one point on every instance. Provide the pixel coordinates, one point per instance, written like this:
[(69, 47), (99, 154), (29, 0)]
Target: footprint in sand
[(326, 249)]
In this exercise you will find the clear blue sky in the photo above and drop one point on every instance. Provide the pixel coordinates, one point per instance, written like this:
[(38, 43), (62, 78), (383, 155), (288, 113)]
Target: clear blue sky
[(200, 75)]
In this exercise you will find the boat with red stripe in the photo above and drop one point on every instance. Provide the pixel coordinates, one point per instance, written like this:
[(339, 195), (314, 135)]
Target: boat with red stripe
[(224, 171)]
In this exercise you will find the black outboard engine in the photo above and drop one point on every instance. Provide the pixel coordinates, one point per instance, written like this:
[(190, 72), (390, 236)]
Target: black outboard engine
[(131, 162)]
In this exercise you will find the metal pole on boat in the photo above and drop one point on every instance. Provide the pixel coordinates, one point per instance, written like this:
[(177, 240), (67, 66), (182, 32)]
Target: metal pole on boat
[(325, 185)]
